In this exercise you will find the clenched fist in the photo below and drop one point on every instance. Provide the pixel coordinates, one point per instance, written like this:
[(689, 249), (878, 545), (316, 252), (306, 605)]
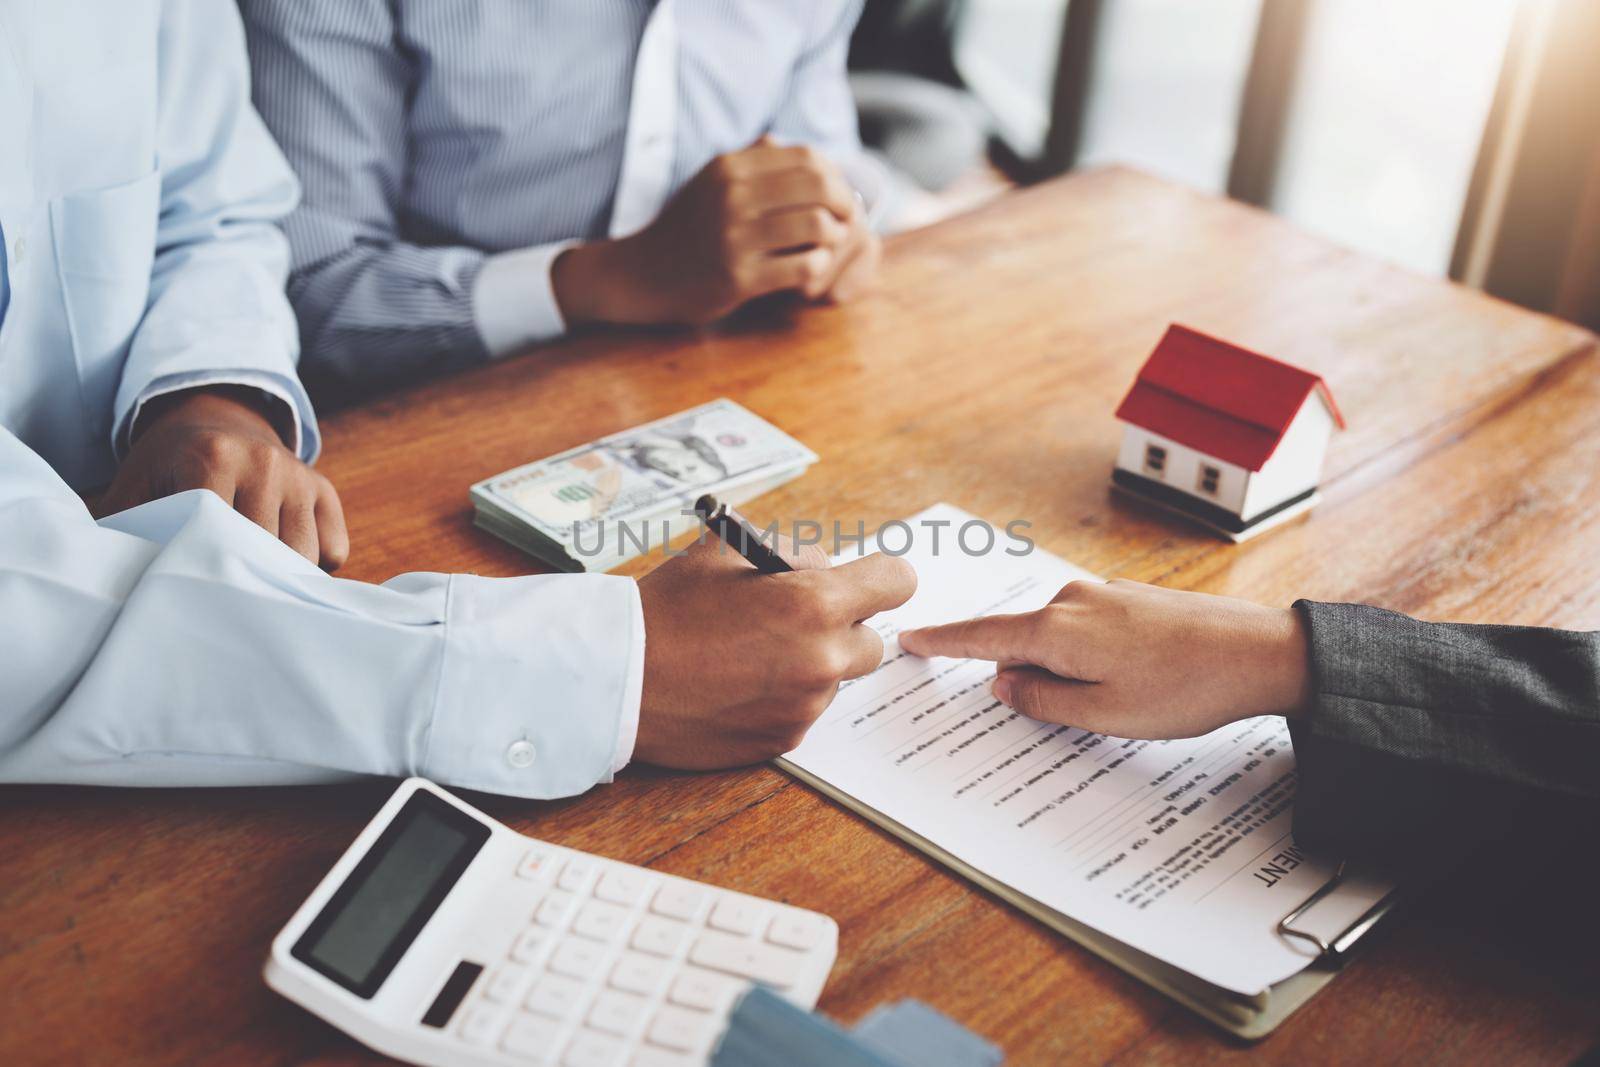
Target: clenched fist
[(771, 218), (216, 439)]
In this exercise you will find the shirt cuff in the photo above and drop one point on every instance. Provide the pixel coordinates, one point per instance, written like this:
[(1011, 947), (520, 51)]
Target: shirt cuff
[(540, 682), (305, 440), (514, 299), (875, 186), (628, 727)]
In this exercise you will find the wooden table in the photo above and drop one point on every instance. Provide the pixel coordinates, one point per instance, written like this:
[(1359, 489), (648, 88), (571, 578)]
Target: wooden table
[(984, 373)]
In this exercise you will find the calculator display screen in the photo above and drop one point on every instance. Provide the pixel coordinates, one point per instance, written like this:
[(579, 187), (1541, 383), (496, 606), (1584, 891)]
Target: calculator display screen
[(373, 917)]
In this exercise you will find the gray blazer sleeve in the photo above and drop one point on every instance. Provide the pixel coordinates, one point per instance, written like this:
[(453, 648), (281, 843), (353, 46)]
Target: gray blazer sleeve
[(1420, 731)]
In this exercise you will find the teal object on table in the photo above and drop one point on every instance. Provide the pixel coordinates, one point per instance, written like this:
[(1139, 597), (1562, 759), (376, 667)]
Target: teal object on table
[(767, 1031)]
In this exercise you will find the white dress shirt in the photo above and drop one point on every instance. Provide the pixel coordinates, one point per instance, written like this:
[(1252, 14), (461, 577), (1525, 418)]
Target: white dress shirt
[(449, 158), (177, 643)]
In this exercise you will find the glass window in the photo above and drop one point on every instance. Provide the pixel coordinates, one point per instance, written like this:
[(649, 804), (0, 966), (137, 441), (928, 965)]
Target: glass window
[(1385, 121), (1006, 51), (1165, 87), (1155, 459)]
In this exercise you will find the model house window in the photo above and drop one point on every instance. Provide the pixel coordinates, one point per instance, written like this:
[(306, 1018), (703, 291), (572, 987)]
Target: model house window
[(1155, 459), (1209, 478)]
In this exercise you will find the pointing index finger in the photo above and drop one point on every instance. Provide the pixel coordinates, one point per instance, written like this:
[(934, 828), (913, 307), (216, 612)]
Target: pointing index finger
[(996, 637)]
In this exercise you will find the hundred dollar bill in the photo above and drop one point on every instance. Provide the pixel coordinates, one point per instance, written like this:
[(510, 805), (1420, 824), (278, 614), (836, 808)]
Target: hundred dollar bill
[(589, 507), (615, 544)]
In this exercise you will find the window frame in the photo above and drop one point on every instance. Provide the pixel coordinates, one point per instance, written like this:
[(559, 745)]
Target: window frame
[(1155, 459)]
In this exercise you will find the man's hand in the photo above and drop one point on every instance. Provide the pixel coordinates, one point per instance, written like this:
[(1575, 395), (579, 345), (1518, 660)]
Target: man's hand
[(1134, 660), (768, 219), (739, 664), (213, 439)]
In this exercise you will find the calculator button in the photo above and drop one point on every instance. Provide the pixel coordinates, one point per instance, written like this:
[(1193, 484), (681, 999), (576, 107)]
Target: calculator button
[(621, 887), (479, 1024), (538, 864), (531, 1036), (575, 959), (651, 1056), (658, 936), (616, 1013), (555, 997), (795, 930), (600, 922), (505, 983), (555, 909), (682, 1031), (590, 1049), (637, 974), (577, 875), (737, 915), (534, 900), (747, 959), (704, 991), (526, 946), (678, 901)]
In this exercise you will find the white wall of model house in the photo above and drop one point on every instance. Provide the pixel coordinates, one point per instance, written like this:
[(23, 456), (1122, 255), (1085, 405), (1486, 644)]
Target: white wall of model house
[(1295, 465), (1182, 468)]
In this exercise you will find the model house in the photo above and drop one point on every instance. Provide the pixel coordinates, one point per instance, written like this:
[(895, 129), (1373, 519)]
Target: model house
[(1224, 435)]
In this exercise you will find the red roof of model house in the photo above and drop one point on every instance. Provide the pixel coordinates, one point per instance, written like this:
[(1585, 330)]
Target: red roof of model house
[(1218, 398)]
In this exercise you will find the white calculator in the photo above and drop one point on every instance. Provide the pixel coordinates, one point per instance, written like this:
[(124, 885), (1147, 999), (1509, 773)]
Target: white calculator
[(442, 937)]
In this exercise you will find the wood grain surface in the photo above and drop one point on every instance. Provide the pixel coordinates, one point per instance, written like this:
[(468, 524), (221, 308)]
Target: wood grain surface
[(133, 924)]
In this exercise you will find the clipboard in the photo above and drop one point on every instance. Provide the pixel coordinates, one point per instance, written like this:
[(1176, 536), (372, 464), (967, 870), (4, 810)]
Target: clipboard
[(1334, 947), (1248, 1017)]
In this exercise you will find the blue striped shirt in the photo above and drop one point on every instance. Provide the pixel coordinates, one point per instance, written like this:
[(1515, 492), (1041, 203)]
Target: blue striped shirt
[(440, 140)]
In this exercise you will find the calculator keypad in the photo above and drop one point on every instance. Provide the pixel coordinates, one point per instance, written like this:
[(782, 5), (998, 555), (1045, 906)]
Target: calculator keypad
[(618, 966), (638, 974), (556, 996), (527, 946), (531, 1036)]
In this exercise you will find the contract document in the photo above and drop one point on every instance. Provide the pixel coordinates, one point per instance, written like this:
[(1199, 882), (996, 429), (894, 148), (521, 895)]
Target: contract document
[(1182, 850)]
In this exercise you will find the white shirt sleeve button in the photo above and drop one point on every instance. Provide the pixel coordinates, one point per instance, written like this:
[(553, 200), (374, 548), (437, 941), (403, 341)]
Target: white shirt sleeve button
[(521, 754)]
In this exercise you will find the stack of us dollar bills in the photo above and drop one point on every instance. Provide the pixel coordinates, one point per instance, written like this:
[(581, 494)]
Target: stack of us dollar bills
[(597, 506)]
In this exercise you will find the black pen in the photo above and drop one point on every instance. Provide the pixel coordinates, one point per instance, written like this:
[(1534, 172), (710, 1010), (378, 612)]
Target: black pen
[(736, 531)]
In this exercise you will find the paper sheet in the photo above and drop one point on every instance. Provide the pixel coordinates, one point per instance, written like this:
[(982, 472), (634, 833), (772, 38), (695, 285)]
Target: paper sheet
[(1181, 849)]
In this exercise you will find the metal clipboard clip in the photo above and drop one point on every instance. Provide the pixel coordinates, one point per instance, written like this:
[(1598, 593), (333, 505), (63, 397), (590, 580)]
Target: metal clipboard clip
[(1333, 948)]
